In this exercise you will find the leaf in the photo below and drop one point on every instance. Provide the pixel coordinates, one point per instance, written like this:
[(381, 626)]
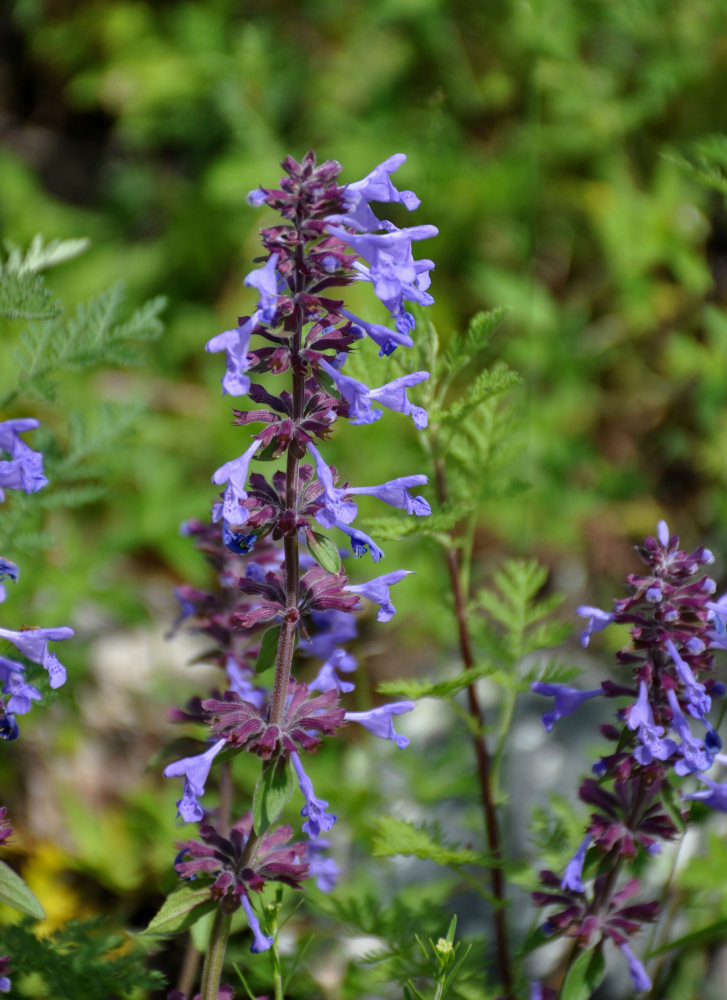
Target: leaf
[(268, 650), (398, 836), (24, 296), (324, 551), (488, 383), (38, 256), (387, 529), (700, 938), (14, 892), (274, 788), (463, 349), (415, 689), (179, 911), (584, 976)]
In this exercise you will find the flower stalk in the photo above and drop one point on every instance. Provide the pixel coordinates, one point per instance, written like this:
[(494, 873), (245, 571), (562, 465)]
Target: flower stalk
[(298, 596)]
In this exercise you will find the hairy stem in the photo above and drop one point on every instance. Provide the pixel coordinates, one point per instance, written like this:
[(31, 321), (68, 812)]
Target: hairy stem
[(215, 957), (482, 755)]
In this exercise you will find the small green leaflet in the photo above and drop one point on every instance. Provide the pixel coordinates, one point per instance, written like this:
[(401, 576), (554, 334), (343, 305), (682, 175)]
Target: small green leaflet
[(397, 836), (584, 976), (15, 893), (179, 911), (268, 650), (415, 689), (324, 551), (274, 788)]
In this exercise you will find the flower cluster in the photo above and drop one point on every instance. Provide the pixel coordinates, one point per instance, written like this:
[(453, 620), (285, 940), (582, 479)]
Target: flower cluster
[(23, 470), (281, 586), (663, 734)]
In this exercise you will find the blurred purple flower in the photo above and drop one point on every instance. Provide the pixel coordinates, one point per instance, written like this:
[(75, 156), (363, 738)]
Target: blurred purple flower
[(380, 722)]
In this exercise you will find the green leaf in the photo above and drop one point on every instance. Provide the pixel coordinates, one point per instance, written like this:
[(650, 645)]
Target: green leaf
[(697, 939), (463, 349), (413, 689), (179, 911), (268, 650), (488, 383), (274, 788), (14, 892), (397, 836), (387, 529), (324, 551), (673, 804), (24, 296), (584, 976), (38, 256)]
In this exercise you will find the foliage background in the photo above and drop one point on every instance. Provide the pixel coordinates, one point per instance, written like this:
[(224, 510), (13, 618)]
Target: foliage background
[(542, 137)]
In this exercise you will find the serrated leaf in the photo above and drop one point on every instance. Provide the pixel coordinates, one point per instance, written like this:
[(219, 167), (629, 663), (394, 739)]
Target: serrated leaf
[(489, 383), (268, 650), (387, 529), (413, 689), (397, 836), (274, 788), (14, 892), (324, 551), (463, 349), (24, 296), (584, 976), (39, 256), (179, 911)]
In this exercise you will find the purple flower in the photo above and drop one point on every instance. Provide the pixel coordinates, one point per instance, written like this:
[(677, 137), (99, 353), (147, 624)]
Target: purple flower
[(33, 643), (323, 869), (699, 702), (695, 756), (379, 721), (315, 809), (332, 628), (394, 273), (265, 279), (25, 469), (360, 542), (21, 693), (638, 973), (8, 571), (392, 395), (597, 620), (386, 339), (196, 771), (4, 979), (260, 941), (327, 678), (572, 877), (567, 700), (715, 795), (641, 717), (396, 493), (234, 473), (236, 344), (335, 507), (377, 590), (376, 186)]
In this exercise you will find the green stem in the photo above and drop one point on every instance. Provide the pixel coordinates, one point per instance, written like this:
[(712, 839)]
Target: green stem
[(215, 957)]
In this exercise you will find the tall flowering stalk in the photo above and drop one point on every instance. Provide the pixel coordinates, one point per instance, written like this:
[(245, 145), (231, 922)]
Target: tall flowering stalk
[(21, 468), (274, 598), (662, 735)]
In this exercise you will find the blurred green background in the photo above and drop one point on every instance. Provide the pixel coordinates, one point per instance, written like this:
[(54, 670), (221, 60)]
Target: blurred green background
[(542, 138)]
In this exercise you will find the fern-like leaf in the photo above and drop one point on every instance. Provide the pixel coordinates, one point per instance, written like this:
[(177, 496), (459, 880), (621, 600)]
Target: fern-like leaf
[(398, 836)]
